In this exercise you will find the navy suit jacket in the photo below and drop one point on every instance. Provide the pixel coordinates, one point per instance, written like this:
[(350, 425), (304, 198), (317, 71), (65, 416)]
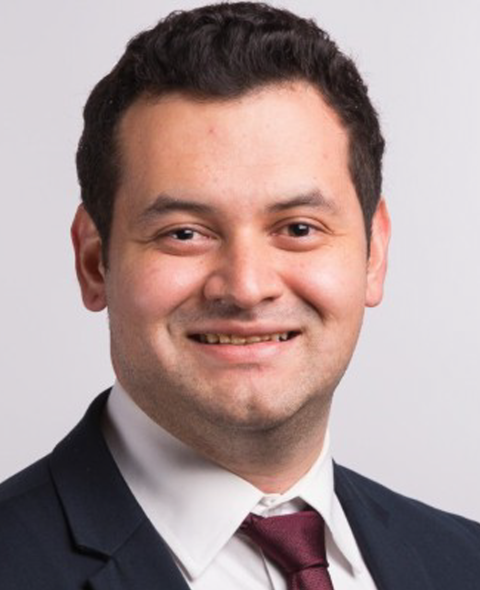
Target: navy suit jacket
[(69, 522)]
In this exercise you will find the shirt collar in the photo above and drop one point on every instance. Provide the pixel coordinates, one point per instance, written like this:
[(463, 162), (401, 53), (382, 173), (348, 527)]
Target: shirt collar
[(196, 505)]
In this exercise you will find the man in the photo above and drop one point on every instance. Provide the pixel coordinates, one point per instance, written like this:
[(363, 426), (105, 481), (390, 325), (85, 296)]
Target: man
[(232, 224)]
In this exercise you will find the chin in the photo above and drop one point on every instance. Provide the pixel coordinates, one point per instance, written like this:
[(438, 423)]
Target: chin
[(253, 416)]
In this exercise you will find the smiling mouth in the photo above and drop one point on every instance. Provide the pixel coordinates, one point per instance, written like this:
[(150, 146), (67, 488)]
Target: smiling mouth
[(237, 340)]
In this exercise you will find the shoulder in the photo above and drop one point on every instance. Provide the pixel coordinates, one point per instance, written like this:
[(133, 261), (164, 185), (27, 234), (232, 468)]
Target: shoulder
[(24, 481), (30, 521), (26, 497), (416, 520), (37, 547), (29, 506), (407, 540)]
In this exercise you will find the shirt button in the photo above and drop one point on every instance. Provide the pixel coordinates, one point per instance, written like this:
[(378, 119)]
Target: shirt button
[(268, 501)]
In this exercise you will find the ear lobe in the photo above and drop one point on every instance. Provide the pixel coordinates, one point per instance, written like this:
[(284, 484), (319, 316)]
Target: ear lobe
[(88, 260), (377, 260)]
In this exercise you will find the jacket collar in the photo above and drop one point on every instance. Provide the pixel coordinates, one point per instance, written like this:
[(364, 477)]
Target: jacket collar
[(104, 517), (394, 564)]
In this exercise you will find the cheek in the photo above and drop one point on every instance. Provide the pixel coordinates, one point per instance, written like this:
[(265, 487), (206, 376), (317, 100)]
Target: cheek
[(154, 288), (334, 285)]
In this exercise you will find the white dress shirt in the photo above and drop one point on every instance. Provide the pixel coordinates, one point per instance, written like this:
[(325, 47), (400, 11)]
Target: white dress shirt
[(197, 507)]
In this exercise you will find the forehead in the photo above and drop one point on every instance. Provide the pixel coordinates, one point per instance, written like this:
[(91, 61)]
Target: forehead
[(276, 140)]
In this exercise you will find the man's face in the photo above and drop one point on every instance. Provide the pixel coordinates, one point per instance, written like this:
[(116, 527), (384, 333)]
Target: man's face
[(238, 270)]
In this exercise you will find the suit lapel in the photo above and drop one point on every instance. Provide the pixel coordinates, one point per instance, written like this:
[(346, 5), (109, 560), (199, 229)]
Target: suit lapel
[(104, 517), (393, 564), (142, 562)]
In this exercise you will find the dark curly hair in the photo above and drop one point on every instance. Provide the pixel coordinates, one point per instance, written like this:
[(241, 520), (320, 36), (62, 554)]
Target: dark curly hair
[(222, 51)]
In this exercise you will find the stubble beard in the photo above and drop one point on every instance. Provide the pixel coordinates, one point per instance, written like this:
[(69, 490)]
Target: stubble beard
[(181, 403)]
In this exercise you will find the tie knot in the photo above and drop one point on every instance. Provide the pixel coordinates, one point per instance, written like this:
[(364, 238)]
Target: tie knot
[(293, 541)]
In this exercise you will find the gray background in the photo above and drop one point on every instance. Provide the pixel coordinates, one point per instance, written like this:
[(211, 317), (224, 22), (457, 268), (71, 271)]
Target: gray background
[(407, 412)]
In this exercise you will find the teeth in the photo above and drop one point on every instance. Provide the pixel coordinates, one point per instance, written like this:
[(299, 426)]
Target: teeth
[(239, 340)]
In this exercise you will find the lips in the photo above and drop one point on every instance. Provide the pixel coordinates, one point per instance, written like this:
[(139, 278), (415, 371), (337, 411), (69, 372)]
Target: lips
[(242, 340)]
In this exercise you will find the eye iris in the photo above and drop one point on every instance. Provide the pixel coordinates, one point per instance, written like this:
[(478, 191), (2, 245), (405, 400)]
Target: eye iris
[(299, 229), (183, 234)]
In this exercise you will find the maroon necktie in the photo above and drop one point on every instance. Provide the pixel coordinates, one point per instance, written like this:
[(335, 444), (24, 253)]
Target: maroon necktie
[(296, 544)]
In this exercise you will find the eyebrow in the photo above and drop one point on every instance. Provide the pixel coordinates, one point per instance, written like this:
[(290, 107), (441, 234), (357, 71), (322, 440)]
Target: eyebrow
[(165, 203), (314, 198)]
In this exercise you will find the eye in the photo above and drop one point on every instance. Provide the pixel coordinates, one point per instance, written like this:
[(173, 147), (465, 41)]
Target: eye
[(182, 234), (300, 235), (299, 230), (184, 240)]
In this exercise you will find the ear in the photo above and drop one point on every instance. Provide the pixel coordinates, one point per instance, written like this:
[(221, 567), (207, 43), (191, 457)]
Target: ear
[(88, 260), (377, 260)]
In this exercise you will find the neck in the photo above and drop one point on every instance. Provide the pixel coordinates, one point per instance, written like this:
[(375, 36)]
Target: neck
[(277, 476), (272, 460), (272, 457)]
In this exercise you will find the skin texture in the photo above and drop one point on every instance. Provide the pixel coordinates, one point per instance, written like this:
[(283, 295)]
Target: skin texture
[(236, 265)]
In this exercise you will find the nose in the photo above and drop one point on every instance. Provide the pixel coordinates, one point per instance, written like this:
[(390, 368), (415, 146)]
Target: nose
[(244, 276)]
